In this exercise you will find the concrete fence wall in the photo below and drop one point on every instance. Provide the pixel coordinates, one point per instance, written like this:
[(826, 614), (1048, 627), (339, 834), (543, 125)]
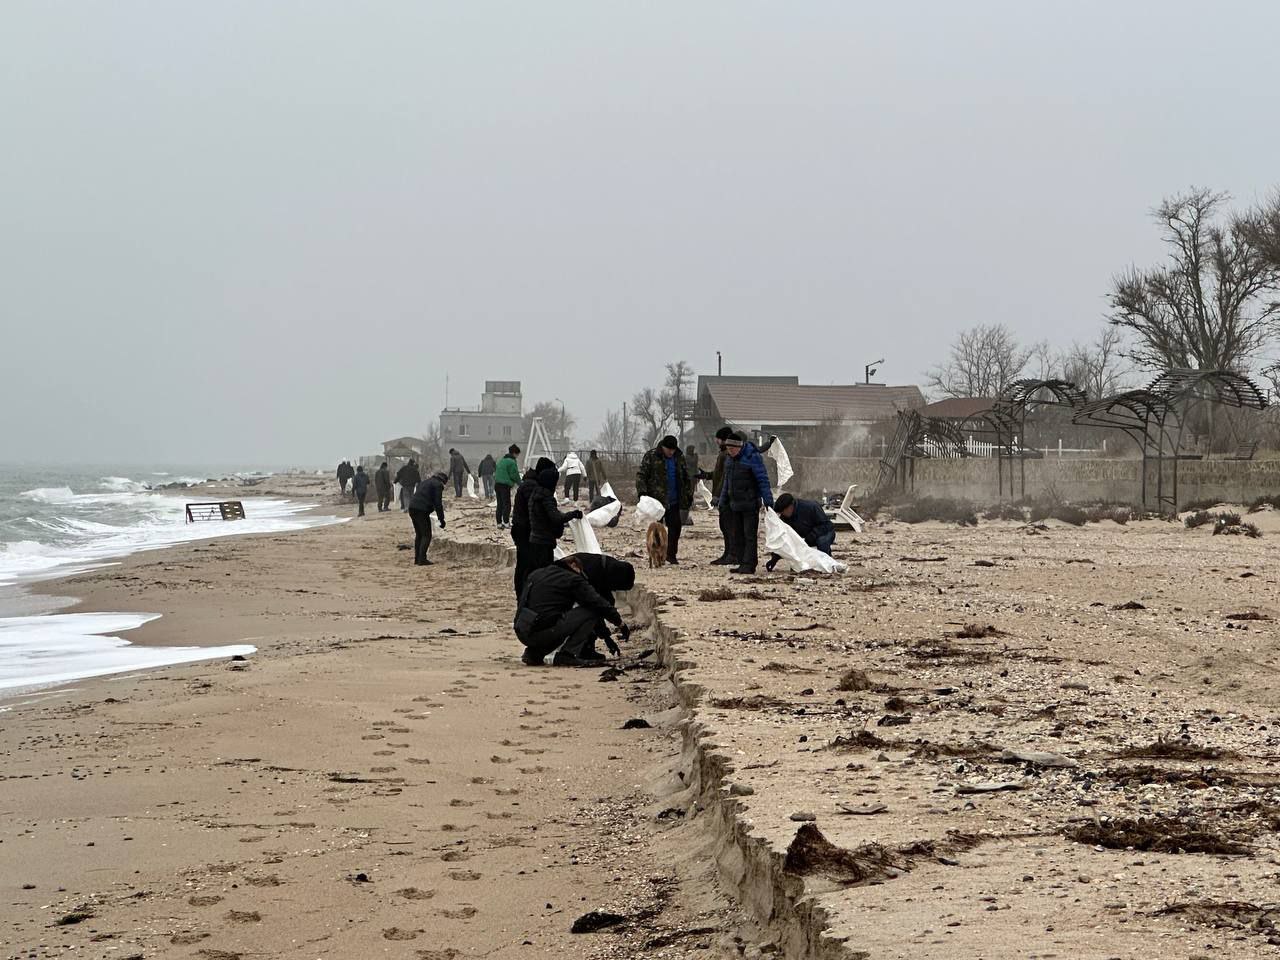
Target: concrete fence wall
[(1071, 479)]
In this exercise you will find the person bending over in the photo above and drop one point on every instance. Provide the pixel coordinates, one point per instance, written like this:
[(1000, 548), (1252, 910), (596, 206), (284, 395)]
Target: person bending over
[(605, 574), (427, 499), (559, 608), (807, 518)]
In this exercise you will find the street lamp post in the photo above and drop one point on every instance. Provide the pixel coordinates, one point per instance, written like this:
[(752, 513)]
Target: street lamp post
[(870, 369)]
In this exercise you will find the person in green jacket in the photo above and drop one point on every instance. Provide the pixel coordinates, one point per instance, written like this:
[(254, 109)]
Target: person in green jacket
[(505, 478), (664, 475)]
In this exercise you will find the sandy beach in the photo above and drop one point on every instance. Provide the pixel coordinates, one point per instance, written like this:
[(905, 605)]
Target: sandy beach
[(1006, 741)]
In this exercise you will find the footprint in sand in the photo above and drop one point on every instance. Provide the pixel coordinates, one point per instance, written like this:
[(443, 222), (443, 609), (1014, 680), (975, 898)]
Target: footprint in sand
[(243, 916), (414, 893), (401, 746), (463, 875), (497, 759), (384, 753), (208, 954), (455, 856), (399, 730), (383, 723), (505, 815), (482, 780), (381, 769), (270, 880), (417, 760), (428, 701), (461, 913), (530, 726), (454, 827), (396, 933), (203, 901), (509, 743), (373, 736), (529, 770), (507, 791), (462, 803), (185, 939), (448, 953), (532, 751)]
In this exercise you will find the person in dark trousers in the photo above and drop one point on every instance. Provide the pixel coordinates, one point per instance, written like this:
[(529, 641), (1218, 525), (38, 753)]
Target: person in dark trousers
[(546, 522), (595, 476), (382, 483), (345, 476), (360, 487), (520, 519), (458, 470), (809, 520), (573, 470), (721, 503), (559, 608), (746, 486), (605, 574), (506, 477), (664, 476), (488, 467), (427, 499), (408, 477)]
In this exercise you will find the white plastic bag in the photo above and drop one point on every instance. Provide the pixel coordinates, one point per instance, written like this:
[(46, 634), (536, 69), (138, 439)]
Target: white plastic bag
[(584, 537), (471, 487), (779, 454), (603, 516), (648, 511), (795, 553), (703, 492)]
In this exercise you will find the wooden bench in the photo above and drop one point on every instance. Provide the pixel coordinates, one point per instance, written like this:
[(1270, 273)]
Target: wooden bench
[(215, 510)]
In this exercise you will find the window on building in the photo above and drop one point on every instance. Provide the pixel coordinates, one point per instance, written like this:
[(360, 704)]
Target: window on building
[(491, 429), (464, 430), (506, 431)]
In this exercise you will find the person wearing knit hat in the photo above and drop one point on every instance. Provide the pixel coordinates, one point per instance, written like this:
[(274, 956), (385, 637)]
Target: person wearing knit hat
[(664, 476)]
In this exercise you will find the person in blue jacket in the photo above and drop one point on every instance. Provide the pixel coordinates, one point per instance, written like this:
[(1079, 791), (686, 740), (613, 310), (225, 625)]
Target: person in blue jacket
[(746, 485)]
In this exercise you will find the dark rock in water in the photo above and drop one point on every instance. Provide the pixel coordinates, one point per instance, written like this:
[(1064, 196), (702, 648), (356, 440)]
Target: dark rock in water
[(596, 920), (636, 723)]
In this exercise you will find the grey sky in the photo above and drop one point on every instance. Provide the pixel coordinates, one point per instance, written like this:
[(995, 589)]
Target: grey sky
[(292, 219)]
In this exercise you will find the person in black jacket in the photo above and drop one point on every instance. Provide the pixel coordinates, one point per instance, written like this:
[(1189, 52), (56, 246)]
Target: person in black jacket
[(546, 522), (408, 477), (459, 470), (427, 499), (809, 520), (559, 608), (360, 487), (520, 519), (605, 574), (382, 483)]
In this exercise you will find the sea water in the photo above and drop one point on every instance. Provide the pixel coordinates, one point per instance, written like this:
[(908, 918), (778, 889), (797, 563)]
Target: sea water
[(55, 522)]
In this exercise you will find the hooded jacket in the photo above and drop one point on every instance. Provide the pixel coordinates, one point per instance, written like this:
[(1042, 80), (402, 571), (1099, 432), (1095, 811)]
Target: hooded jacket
[(605, 574), (546, 522), (429, 497), (382, 481), (572, 466), (553, 591), (520, 505), (487, 466), (507, 472), (360, 482), (746, 482)]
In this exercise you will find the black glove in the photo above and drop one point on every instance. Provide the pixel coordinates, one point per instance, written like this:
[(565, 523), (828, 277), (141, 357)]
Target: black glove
[(614, 617), (613, 647), (441, 524), (624, 631), (575, 515), (773, 562)]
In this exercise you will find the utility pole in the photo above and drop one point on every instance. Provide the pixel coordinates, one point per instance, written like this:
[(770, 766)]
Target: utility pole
[(625, 448), (719, 364)]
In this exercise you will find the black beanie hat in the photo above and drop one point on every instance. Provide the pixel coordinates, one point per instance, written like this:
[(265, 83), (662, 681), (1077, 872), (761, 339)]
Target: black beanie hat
[(543, 463), (784, 500)]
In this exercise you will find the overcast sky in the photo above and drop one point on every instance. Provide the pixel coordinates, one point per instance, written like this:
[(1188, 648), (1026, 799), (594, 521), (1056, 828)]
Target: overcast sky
[(265, 232)]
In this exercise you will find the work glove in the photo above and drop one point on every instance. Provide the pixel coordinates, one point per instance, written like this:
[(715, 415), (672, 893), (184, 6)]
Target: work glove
[(441, 524), (624, 632), (773, 562), (612, 646), (575, 515)]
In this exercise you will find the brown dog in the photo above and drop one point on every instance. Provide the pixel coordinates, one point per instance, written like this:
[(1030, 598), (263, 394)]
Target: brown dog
[(656, 544)]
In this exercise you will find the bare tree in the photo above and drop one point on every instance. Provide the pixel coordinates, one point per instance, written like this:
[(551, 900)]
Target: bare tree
[(559, 423), (984, 360), (653, 411), (1097, 368), (1262, 227), (1211, 307), (613, 435), (679, 384), (432, 450)]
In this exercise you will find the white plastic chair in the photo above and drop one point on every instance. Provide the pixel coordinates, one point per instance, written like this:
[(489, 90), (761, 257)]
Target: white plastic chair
[(848, 514)]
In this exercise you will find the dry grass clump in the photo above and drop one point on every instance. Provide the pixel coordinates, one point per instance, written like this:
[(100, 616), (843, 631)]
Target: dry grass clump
[(1159, 834), (1058, 510), (1005, 511), (1263, 502), (720, 593), (943, 509)]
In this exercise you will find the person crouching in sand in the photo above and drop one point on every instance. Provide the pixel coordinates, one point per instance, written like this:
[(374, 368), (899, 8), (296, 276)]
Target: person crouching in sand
[(559, 608)]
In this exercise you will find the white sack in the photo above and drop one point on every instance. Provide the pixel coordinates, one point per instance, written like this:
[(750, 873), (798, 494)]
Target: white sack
[(648, 511), (797, 555), (703, 492), (603, 516), (471, 487), (779, 454), (584, 537), (606, 490)]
